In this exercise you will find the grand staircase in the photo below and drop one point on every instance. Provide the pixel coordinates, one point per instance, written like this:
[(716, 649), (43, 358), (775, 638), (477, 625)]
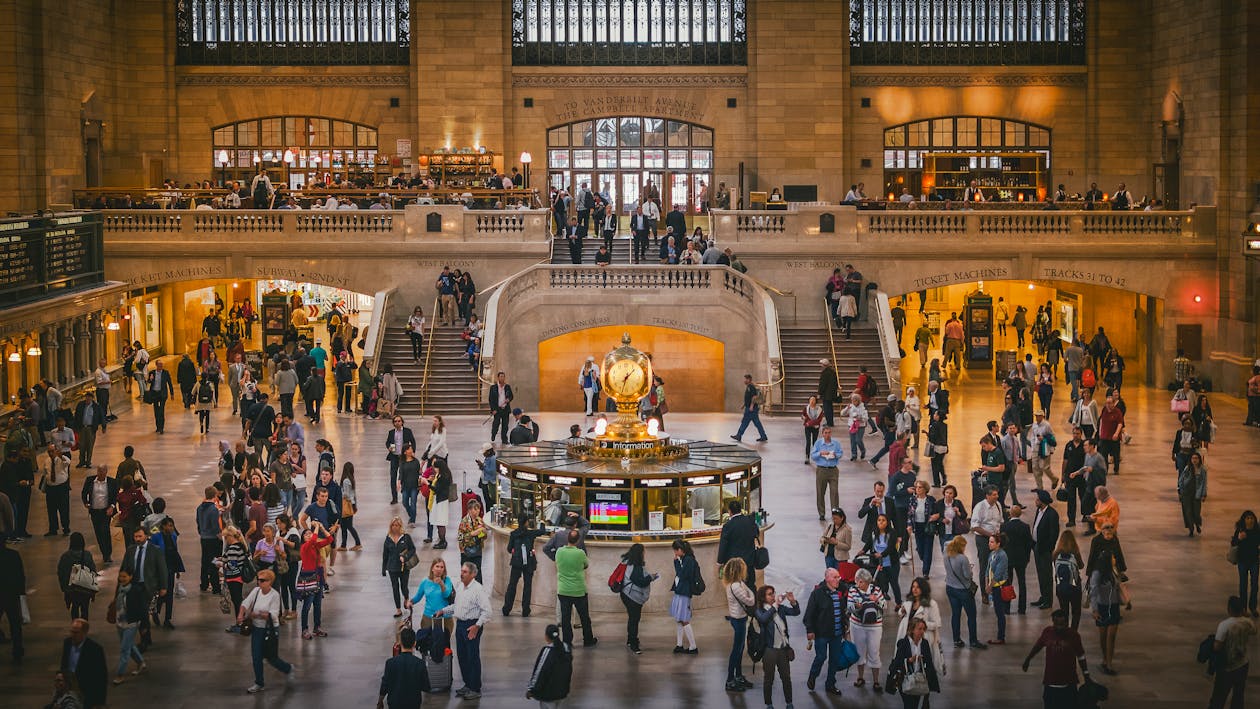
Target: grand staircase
[(590, 247), (452, 382), (803, 344)]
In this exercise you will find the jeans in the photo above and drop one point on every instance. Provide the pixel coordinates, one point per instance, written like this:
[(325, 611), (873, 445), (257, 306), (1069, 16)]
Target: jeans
[(982, 556), (297, 501), (468, 652), (567, 604), (256, 639), (1070, 601), (811, 435), (314, 599), (509, 594), (127, 648), (857, 444), (751, 415), (417, 344), (923, 547), (634, 611), (286, 404), (1073, 377), (740, 626), (890, 435), (959, 601), (1248, 577), (1253, 411), (1000, 609), (348, 530), (398, 586), (826, 649)]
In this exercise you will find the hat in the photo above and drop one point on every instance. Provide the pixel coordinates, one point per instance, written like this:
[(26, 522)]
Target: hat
[(1039, 412), (825, 362), (517, 411), (318, 341), (590, 358), (1043, 496), (487, 448), (892, 398)]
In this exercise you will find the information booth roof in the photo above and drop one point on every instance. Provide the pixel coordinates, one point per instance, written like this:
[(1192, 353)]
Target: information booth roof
[(552, 457)]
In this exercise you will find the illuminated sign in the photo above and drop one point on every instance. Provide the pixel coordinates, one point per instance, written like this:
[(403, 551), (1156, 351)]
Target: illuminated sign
[(656, 482), (737, 475), (701, 479), (608, 482), (1251, 246), (521, 475), (561, 480)]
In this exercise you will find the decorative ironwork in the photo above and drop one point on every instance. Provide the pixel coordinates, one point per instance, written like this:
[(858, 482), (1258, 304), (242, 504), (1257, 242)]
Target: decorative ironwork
[(967, 32), (292, 32), (629, 32)]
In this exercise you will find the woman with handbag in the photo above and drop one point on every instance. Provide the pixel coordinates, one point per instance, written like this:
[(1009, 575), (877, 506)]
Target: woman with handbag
[(837, 541), (856, 414), (920, 605), (235, 556), (635, 590), (1183, 398), (924, 519), (261, 614), (884, 550), (1185, 442), (866, 617), (439, 500), (998, 584), (1204, 425), (938, 448), (309, 585), (913, 668), (1085, 414), (1192, 491), (953, 520), (960, 589), (349, 506), (287, 579), (76, 574), (398, 558), (1244, 547), (437, 592), (772, 613), (739, 598)]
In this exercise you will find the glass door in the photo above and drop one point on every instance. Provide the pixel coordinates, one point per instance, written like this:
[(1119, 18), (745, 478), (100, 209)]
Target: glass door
[(629, 192)]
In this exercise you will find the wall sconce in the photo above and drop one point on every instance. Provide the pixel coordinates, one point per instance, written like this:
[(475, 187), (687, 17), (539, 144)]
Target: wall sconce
[(15, 357), (34, 351), (113, 326), (257, 159), (1198, 298)]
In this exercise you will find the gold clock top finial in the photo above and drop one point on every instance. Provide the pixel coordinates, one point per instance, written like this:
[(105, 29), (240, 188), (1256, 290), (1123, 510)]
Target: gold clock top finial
[(625, 338)]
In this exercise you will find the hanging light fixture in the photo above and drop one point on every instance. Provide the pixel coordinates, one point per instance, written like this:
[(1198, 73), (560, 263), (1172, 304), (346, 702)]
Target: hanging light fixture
[(15, 356), (34, 351), (113, 326)]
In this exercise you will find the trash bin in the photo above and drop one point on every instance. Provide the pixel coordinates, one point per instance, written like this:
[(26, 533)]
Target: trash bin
[(1004, 362)]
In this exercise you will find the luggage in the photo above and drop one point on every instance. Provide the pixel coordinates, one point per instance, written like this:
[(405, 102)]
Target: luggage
[(440, 673), (848, 571), (466, 497)]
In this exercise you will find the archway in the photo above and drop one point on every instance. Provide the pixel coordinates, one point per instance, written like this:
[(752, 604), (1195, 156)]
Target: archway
[(620, 155)]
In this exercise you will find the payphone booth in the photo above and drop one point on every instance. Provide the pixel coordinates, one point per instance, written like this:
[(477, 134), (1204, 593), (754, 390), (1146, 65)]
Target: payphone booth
[(978, 322)]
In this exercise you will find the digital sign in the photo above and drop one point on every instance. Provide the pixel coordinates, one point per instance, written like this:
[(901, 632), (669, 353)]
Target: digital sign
[(42, 255), (608, 509)]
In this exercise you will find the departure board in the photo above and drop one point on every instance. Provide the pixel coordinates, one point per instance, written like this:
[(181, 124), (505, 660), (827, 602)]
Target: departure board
[(41, 256)]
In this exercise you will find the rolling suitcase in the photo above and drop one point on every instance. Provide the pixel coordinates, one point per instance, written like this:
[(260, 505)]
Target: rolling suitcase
[(468, 496), (440, 673)]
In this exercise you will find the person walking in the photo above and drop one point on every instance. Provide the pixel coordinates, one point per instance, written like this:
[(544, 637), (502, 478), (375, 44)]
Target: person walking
[(739, 597), (687, 580), (55, 482), (349, 506), (262, 610), (811, 418), (471, 610), (753, 399), (855, 415), (1105, 596), (826, 625), (1045, 534), (1191, 492), (923, 518), (84, 659), (1246, 539), (997, 577), (158, 389), (837, 540), (828, 394), (553, 671), (415, 332), (89, 418), (938, 448), (397, 441), (571, 566), (405, 677), (920, 605), (396, 553), (1067, 576), (865, 605), (1064, 651), (635, 590), (915, 664), (100, 497), (825, 455), (1231, 643), (310, 582), (471, 537), (77, 597), (772, 613), (1018, 545), (129, 607)]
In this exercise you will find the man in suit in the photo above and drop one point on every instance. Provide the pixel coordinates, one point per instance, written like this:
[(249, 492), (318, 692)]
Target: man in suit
[(500, 406), (158, 389), (396, 441), (405, 676), (12, 588), (1019, 546), (573, 235), (873, 507), (84, 658), (100, 497), (147, 565), (89, 417), (1045, 535), (828, 391), (678, 221), (937, 400), (639, 227), (739, 540)]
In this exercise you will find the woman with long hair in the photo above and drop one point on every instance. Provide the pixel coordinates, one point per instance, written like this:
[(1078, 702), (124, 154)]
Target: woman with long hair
[(960, 589), (1105, 599), (738, 598), (811, 417), (77, 599), (235, 556), (437, 592), (634, 593), (884, 550), (1201, 414), (1067, 564), (287, 582), (1247, 540), (1045, 387), (436, 447), (398, 547), (919, 605), (415, 332), (772, 613), (439, 500), (938, 448), (657, 398), (998, 577), (1192, 491), (349, 504), (686, 574)]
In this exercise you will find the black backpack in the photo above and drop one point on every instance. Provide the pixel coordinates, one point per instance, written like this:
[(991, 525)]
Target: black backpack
[(756, 647), (205, 393), (871, 388)]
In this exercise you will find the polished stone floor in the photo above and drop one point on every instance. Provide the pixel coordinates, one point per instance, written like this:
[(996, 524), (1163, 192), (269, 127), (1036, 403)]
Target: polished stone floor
[(1179, 584)]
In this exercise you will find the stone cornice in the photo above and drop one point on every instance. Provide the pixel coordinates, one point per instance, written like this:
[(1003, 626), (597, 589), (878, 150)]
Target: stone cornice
[(927, 79), (629, 80), (292, 80)]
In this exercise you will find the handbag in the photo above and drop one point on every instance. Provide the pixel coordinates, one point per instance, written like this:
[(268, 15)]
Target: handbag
[(347, 508), (150, 396), (271, 640), (1181, 406), (281, 563), (1007, 592), (791, 654), (849, 655), (1232, 556), (307, 583), (1062, 494), (82, 577), (410, 560), (761, 558), (915, 684)]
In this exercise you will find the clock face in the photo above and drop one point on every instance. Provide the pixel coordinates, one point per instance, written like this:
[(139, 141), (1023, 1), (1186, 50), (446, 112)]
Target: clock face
[(626, 378)]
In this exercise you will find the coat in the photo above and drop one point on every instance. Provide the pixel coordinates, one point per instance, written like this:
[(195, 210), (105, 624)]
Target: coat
[(765, 618), (818, 618), (91, 672), (828, 386), (154, 567), (738, 540), (1019, 542), (902, 658), (1047, 531), (403, 681), (186, 373)]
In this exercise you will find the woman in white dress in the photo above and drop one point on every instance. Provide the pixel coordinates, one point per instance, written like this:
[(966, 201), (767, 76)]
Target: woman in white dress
[(588, 380)]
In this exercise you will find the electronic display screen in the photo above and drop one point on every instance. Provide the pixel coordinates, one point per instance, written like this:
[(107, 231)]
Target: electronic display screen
[(608, 509)]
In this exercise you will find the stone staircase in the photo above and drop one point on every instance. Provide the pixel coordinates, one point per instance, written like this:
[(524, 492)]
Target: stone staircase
[(803, 344), (621, 250), (452, 382)]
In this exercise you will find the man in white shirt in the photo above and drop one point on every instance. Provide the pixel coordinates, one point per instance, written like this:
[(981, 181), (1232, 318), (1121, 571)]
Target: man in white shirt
[(1038, 433), (55, 476), (986, 520), (653, 214), (471, 611), (1231, 641), (141, 363), (103, 385), (905, 197), (232, 200)]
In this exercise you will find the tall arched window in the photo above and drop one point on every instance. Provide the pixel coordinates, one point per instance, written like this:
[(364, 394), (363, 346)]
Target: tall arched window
[(295, 150), (622, 155), (1009, 159)]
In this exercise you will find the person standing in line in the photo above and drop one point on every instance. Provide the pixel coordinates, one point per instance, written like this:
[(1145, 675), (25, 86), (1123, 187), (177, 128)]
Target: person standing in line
[(395, 551), (1231, 645), (1064, 651), (686, 580), (56, 484), (825, 455), (826, 623), (471, 537), (1045, 534), (738, 598), (523, 562), (1067, 576), (753, 398), (100, 497), (89, 416), (635, 591), (405, 677), (263, 610), (158, 390), (739, 540), (1191, 492), (471, 611), (553, 671), (571, 565), (500, 402)]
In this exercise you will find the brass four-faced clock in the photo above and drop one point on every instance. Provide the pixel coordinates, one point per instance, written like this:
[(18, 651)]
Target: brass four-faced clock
[(626, 378)]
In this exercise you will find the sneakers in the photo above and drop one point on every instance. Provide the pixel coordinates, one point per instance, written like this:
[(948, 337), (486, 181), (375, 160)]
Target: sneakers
[(471, 694), (734, 685), (255, 688)]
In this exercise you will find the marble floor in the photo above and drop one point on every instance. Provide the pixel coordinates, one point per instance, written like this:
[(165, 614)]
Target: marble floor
[(1179, 585)]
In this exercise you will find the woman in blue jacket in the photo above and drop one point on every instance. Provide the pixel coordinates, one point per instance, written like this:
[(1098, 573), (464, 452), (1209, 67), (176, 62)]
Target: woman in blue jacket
[(772, 613), (999, 576)]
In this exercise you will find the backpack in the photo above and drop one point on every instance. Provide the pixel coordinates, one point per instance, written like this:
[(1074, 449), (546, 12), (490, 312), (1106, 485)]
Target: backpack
[(205, 393), (697, 586), (1066, 572), (870, 388), (756, 647), (617, 579), (870, 613), (759, 399), (1088, 380)]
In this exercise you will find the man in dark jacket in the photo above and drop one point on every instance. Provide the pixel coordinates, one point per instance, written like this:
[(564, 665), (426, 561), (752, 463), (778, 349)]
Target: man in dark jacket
[(89, 417), (100, 497), (405, 677), (526, 431), (678, 221), (739, 540), (1045, 533), (12, 588), (186, 375), (826, 622), (500, 400), (1019, 546), (828, 391), (147, 565), (84, 658), (872, 507)]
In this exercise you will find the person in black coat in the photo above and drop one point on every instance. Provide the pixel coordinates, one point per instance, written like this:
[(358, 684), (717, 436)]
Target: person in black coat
[(904, 664), (739, 540), (874, 506), (1045, 531), (396, 441), (405, 676), (822, 629), (12, 587), (553, 669), (101, 510), (167, 539), (678, 221), (186, 375), (523, 562), (885, 565), (1019, 547), (84, 658), (500, 400), (937, 399)]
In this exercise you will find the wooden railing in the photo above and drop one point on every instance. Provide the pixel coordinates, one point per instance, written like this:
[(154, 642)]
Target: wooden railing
[(187, 198)]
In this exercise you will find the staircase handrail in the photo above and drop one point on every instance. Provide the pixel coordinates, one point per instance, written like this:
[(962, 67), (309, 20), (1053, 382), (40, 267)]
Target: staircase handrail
[(831, 343), (374, 341), (428, 355), (889, 345), (776, 291)]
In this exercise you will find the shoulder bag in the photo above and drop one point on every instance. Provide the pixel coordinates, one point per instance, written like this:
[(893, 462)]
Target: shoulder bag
[(915, 684)]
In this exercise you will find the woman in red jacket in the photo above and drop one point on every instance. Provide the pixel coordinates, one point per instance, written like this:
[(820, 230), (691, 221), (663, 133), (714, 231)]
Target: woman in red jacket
[(310, 579)]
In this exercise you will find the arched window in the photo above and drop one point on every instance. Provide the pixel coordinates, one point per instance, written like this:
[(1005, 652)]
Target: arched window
[(1009, 159), (295, 150), (622, 155), (288, 32)]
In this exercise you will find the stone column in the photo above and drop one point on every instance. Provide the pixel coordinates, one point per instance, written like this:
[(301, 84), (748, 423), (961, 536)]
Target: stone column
[(67, 351), (83, 343), (51, 348), (98, 341)]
